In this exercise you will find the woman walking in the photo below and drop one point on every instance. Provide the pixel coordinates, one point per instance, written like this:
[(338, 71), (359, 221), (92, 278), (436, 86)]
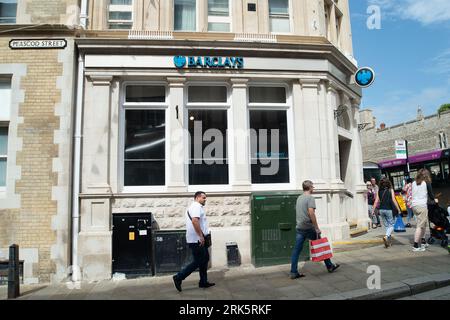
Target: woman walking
[(386, 199), (422, 194)]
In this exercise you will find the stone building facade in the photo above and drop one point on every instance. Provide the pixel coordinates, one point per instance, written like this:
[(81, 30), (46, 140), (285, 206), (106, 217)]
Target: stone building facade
[(241, 63), (424, 134), (36, 111)]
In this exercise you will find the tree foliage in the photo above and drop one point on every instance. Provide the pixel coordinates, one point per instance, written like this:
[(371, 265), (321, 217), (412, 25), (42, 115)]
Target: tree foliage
[(444, 107)]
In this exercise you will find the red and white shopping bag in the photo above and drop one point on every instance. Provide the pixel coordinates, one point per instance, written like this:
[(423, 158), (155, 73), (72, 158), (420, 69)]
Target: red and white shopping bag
[(320, 250)]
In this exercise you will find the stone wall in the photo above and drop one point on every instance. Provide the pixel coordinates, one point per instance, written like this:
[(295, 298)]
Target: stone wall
[(169, 212), (422, 136)]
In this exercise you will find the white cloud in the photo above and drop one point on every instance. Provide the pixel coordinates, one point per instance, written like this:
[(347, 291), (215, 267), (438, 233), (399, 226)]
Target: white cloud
[(426, 12)]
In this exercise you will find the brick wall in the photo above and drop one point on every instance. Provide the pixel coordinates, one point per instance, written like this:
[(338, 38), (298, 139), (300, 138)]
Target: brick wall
[(31, 225)]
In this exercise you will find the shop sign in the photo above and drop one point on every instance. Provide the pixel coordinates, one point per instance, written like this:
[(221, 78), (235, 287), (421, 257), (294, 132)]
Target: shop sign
[(37, 43), (364, 77), (401, 149), (209, 62)]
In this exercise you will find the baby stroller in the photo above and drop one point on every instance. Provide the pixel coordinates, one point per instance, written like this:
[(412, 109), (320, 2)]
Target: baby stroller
[(441, 225)]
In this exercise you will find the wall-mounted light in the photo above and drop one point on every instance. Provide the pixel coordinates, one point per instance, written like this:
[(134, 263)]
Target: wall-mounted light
[(362, 126), (339, 111)]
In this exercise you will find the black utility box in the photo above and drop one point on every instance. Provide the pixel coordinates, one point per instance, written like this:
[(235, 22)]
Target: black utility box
[(132, 244), (171, 251)]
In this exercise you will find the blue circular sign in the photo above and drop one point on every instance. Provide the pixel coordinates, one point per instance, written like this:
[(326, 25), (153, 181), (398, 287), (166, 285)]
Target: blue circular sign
[(179, 61), (364, 77)]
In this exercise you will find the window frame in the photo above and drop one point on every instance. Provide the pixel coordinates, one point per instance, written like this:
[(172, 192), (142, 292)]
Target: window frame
[(208, 106), (221, 19), (5, 124), (289, 18), (123, 107), (9, 18), (120, 8), (288, 107), (197, 18)]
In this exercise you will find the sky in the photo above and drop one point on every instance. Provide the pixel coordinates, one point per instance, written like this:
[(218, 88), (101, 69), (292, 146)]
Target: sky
[(410, 54)]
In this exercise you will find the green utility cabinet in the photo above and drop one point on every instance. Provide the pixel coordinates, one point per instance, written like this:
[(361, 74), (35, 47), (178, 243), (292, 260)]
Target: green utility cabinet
[(273, 228)]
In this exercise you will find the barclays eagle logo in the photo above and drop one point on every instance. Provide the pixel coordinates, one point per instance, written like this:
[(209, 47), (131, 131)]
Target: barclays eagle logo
[(179, 61), (365, 77)]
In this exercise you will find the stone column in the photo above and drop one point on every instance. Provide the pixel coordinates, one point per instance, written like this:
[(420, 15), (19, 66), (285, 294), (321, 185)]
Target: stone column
[(178, 139), (313, 131), (299, 135), (240, 166), (96, 134), (357, 164), (95, 251)]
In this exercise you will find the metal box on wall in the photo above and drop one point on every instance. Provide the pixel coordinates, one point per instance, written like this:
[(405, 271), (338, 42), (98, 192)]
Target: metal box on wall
[(132, 244), (274, 228), (171, 252)]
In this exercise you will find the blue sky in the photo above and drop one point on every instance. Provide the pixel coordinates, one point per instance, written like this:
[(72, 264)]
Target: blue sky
[(410, 55)]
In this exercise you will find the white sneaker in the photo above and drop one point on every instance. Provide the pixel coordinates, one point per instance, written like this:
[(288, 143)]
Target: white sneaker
[(424, 245), (419, 249)]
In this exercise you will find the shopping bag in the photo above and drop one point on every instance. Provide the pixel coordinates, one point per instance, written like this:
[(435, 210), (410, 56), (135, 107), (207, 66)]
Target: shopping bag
[(320, 250), (399, 226)]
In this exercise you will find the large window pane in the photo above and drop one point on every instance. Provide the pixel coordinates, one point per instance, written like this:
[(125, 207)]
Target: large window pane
[(278, 7), (201, 94), (3, 154), (218, 8), (269, 145), (5, 99), (279, 15), (3, 141), (122, 2), (2, 172), (146, 94), (8, 11), (145, 143), (267, 95), (218, 27), (185, 17), (208, 163), (278, 24)]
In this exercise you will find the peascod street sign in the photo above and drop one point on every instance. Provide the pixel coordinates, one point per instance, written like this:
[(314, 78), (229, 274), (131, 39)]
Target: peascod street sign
[(37, 43)]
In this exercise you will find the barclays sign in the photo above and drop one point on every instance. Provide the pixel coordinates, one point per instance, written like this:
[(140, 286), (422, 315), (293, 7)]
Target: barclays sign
[(209, 62)]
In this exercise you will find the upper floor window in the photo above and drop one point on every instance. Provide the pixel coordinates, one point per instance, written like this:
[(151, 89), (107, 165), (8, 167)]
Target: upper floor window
[(5, 107), (443, 142), (219, 19), (8, 9), (120, 14), (279, 16), (185, 15)]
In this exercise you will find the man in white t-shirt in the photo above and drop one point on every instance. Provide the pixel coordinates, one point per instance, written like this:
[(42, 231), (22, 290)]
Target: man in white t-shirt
[(196, 228)]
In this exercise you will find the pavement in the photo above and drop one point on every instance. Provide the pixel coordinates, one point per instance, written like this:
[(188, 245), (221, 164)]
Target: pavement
[(392, 273)]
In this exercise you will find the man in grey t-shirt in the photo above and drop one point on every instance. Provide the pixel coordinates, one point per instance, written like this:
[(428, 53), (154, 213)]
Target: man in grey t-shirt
[(307, 228)]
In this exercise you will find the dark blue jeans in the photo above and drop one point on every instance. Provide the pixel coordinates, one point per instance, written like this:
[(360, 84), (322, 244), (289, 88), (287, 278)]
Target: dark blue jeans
[(201, 259), (300, 238)]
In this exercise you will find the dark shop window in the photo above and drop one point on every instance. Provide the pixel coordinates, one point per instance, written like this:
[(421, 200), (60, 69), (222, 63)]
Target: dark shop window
[(277, 170), (208, 162), (145, 147), (145, 94)]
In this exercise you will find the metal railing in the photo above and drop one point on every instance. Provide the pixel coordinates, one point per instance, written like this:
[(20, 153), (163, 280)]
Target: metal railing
[(255, 37), (150, 35)]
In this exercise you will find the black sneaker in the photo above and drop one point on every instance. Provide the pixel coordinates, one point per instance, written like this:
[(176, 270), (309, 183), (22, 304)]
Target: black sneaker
[(297, 276), (177, 283), (333, 268), (206, 285)]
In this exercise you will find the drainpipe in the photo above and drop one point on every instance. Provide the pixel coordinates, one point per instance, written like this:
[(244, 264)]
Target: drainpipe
[(76, 170)]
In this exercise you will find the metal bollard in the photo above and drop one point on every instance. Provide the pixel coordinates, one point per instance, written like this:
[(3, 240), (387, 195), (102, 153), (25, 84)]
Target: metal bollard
[(13, 272)]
